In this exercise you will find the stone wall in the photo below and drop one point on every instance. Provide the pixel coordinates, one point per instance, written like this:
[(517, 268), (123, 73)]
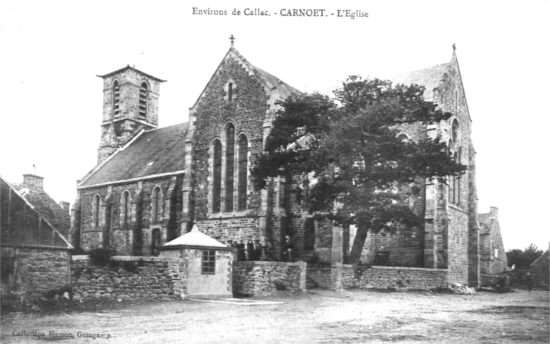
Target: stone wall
[(261, 278), (319, 275), (383, 277), (129, 278), (35, 270)]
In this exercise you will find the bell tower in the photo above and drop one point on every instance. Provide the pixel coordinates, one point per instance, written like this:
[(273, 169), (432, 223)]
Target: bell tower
[(130, 104)]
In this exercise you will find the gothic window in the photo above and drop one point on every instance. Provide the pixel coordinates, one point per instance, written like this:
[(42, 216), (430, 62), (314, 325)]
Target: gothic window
[(217, 180), (243, 172), (156, 205), (95, 211), (230, 92), (125, 208), (208, 266), (455, 128), (143, 96), (459, 178), (116, 99), (229, 166)]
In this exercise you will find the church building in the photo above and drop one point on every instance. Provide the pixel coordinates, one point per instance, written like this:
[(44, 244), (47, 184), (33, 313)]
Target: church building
[(151, 185)]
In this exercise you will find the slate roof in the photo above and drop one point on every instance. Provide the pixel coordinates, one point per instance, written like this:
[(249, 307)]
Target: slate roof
[(285, 88), (132, 68), (195, 238), (29, 208), (150, 153), (429, 78), (48, 208)]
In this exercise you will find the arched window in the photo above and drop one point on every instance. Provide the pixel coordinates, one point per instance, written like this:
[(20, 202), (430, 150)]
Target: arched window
[(229, 166), (125, 207), (156, 205), (230, 92), (217, 177), (454, 129), (95, 210), (243, 172), (459, 178), (143, 96), (116, 99)]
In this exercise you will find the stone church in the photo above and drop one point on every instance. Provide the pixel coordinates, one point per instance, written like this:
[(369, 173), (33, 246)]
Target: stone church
[(152, 184)]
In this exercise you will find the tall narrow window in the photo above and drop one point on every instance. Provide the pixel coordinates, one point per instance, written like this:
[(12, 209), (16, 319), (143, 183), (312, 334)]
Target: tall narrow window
[(230, 92), (125, 205), (143, 96), (156, 206), (454, 198), (459, 178), (229, 166), (217, 180), (95, 209), (116, 99), (454, 130), (243, 172)]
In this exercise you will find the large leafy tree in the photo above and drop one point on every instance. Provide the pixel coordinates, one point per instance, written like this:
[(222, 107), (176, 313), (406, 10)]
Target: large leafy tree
[(522, 259), (350, 156)]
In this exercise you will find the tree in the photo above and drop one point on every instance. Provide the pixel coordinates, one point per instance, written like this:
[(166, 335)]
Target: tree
[(522, 259), (346, 151)]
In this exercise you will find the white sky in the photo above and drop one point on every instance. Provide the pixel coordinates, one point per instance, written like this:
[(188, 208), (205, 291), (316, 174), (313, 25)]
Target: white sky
[(51, 99)]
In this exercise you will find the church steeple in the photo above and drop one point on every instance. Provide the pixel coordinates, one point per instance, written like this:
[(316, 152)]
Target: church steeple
[(130, 104)]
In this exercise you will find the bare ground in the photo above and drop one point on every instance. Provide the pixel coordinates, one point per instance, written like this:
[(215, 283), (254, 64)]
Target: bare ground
[(313, 317)]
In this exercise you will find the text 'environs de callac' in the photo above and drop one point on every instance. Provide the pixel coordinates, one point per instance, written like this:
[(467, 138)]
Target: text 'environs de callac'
[(285, 12)]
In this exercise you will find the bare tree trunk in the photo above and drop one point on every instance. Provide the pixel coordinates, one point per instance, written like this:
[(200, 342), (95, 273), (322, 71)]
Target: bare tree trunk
[(358, 243)]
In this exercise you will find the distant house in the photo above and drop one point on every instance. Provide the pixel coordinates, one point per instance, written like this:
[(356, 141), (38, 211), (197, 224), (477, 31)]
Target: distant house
[(32, 189), (35, 255), (492, 253)]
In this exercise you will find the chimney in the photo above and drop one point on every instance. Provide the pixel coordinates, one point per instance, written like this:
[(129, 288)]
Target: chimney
[(494, 212), (32, 181), (65, 206)]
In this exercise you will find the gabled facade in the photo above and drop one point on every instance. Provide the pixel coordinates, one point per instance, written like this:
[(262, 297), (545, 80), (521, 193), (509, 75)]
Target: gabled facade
[(34, 254)]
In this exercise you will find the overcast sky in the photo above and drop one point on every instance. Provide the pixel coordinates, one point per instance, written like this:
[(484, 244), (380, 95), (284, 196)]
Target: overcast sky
[(52, 51)]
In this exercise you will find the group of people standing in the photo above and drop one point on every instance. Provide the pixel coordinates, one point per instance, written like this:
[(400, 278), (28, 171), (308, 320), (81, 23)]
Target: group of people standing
[(254, 250)]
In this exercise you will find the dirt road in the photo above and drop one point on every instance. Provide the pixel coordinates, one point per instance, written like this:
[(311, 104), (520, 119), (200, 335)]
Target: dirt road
[(315, 317)]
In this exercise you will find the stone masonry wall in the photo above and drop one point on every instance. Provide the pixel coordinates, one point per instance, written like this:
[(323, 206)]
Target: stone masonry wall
[(141, 278), (37, 270), (319, 275), (261, 278), (383, 277)]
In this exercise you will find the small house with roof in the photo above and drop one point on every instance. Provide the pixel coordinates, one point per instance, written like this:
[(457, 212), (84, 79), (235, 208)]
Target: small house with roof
[(35, 255), (492, 254), (207, 263)]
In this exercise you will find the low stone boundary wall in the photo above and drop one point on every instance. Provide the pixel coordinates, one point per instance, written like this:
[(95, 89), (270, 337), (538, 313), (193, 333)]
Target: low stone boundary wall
[(261, 278), (128, 277), (384, 277), (492, 280), (319, 275)]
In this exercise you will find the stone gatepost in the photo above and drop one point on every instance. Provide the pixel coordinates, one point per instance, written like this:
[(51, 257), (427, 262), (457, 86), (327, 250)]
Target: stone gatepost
[(336, 276)]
